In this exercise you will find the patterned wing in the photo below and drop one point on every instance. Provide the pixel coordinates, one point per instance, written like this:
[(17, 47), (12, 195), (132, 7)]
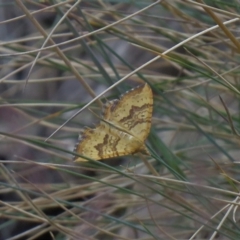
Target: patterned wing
[(105, 142), (132, 112)]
